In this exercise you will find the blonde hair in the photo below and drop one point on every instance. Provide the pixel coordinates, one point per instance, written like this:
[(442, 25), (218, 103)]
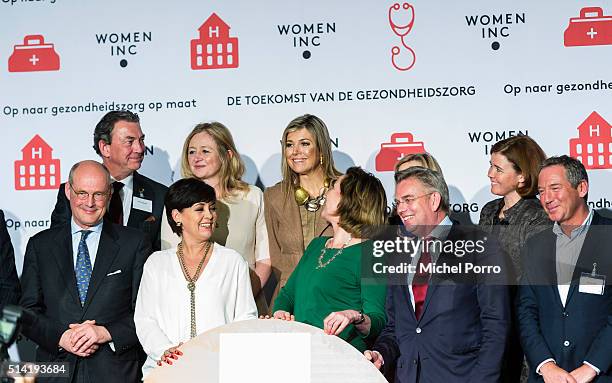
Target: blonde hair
[(232, 167), (318, 129), (427, 161)]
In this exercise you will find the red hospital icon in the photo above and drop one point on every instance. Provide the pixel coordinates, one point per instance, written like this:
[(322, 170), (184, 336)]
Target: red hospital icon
[(390, 152), (214, 49), (37, 169), (591, 28), (593, 147), (33, 56)]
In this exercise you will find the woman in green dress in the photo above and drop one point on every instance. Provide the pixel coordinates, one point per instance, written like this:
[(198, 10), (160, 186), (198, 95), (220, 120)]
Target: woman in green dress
[(326, 289)]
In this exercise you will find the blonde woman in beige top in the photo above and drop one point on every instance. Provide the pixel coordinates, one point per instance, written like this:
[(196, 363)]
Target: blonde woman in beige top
[(210, 155)]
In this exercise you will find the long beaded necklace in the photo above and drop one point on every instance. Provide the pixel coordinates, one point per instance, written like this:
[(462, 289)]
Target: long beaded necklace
[(192, 280), (322, 264)]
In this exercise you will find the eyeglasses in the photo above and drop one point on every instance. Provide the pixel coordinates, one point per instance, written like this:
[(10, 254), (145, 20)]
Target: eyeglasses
[(84, 196), (408, 200)]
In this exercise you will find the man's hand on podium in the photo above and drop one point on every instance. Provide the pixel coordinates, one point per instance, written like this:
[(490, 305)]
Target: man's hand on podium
[(375, 358)]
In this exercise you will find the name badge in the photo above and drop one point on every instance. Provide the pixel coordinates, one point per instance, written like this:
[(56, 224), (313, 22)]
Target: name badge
[(142, 204), (592, 283)]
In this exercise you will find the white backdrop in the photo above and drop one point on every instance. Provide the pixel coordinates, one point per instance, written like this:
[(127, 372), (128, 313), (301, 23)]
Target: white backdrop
[(139, 53)]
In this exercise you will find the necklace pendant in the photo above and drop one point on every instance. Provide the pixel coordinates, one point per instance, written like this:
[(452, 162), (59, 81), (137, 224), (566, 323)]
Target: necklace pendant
[(191, 286)]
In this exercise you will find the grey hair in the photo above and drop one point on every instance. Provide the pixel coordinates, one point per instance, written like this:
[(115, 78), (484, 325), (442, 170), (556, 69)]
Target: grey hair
[(433, 180), (574, 170), (74, 167)]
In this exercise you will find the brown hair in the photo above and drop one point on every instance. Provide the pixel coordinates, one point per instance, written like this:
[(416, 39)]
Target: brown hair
[(232, 167), (526, 157), (363, 202)]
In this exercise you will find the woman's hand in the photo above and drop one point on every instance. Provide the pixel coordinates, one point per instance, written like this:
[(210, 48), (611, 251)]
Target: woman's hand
[(283, 315), (170, 354), (336, 322)]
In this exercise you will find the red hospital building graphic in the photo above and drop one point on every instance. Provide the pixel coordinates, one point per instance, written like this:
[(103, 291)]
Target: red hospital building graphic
[(593, 147), (214, 49), (37, 169)]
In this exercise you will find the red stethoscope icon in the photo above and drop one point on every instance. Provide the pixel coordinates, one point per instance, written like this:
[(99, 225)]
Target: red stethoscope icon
[(402, 31)]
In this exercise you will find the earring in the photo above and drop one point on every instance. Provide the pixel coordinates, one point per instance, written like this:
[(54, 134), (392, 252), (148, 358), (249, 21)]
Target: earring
[(179, 224), (321, 160)]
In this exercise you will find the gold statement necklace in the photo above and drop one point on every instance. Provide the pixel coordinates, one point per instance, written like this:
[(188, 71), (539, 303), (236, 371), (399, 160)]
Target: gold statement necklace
[(192, 280), (311, 204), (322, 264)]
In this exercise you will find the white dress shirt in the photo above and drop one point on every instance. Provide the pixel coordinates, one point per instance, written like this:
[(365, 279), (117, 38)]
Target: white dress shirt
[(126, 193), (92, 241)]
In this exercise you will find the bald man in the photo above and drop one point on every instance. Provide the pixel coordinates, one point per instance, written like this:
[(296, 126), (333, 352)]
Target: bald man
[(81, 280)]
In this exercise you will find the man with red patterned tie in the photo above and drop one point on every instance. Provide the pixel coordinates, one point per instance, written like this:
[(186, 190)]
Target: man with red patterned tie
[(137, 201), (448, 320)]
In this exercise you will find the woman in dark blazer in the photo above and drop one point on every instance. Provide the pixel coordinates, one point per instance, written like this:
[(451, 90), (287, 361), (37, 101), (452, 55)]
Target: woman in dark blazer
[(514, 218)]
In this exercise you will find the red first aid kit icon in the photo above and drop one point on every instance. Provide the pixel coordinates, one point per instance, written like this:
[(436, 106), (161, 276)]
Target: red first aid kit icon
[(591, 28), (33, 56), (390, 152)]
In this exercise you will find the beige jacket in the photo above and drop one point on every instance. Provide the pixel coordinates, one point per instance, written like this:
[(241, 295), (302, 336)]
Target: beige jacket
[(285, 233)]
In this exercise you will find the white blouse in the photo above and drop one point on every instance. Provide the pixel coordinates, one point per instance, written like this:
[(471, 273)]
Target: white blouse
[(163, 318)]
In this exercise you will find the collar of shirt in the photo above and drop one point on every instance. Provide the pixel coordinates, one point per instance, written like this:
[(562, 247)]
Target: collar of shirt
[(441, 231), (578, 230), (76, 229), (128, 182), (92, 240)]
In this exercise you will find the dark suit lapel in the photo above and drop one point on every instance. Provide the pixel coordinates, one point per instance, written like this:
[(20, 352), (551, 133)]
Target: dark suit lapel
[(405, 292), (140, 190), (107, 252), (62, 252), (588, 254), (434, 280), (543, 265)]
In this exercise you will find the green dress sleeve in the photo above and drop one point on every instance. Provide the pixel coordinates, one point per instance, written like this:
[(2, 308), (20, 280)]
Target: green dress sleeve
[(373, 296)]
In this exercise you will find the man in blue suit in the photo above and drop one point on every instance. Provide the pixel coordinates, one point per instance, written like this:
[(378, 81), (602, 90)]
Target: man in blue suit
[(443, 326), (565, 298)]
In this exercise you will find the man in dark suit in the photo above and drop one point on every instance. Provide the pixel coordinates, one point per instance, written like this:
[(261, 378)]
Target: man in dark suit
[(80, 281), (9, 282), (450, 325), (565, 298), (138, 201)]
